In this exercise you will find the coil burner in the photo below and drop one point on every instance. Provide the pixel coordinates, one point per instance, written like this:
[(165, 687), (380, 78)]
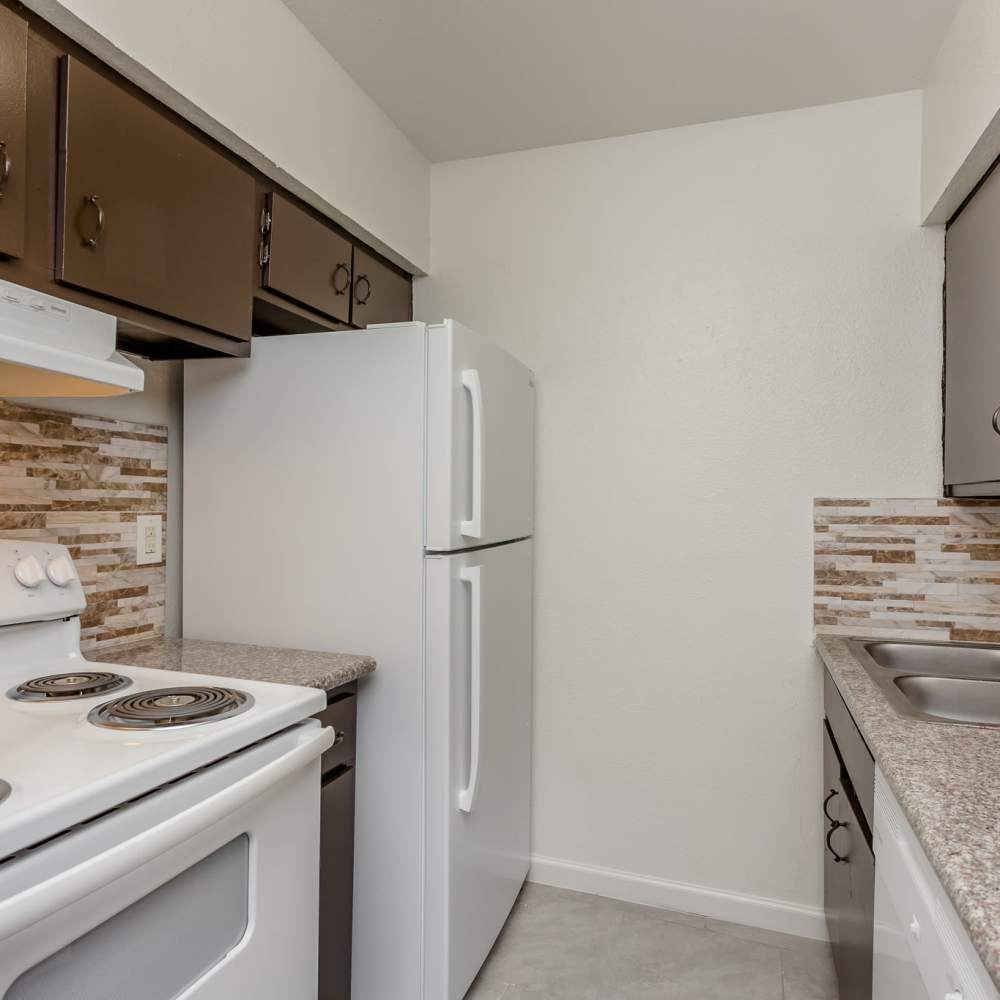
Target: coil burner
[(167, 708), (56, 687)]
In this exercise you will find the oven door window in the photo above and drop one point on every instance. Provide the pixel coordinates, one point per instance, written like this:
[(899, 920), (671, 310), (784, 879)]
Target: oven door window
[(160, 945)]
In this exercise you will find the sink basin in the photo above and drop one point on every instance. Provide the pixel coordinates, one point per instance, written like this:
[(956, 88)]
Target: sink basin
[(953, 699), (936, 682), (937, 660)]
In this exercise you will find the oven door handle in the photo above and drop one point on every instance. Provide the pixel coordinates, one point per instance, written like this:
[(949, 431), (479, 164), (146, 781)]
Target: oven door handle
[(40, 901)]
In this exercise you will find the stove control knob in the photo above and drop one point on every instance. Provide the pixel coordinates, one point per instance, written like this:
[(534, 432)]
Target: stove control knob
[(60, 571), (28, 572)]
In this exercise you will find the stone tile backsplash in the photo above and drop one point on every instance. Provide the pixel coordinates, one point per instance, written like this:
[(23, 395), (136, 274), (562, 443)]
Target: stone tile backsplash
[(81, 481), (918, 569)]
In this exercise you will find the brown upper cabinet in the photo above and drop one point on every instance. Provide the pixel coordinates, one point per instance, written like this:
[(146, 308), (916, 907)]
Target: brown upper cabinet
[(13, 131), (149, 214), (305, 260), (972, 346), (380, 294)]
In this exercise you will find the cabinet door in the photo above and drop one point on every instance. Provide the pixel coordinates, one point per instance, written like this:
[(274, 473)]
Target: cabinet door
[(849, 882), (149, 213), (336, 884), (380, 294), (13, 131), (972, 318), (305, 260)]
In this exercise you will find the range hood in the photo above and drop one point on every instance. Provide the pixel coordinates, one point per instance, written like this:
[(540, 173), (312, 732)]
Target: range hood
[(49, 347)]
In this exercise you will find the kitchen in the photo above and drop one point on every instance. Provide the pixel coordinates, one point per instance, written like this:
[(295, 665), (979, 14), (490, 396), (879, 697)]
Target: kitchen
[(681, 470)]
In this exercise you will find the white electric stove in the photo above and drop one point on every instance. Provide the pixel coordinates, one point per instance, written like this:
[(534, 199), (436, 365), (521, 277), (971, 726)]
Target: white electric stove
[(140, 805)]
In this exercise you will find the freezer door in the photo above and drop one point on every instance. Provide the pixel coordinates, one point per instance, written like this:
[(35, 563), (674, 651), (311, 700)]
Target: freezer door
[(480, 429), (478, 774)]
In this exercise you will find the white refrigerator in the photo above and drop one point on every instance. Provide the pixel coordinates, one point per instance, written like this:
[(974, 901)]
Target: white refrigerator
[(372, 492)]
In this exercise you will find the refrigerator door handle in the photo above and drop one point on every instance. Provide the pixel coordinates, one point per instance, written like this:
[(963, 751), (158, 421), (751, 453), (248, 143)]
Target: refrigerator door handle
[(473, 528), (472, 575)]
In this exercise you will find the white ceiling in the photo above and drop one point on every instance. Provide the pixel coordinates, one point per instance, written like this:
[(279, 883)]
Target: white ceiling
[(469, 77)]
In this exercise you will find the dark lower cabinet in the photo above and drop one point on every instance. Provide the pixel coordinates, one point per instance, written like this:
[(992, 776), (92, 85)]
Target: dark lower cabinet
[(379, 293), (848, 860), (13, 131), (336, 864), (336, 884)]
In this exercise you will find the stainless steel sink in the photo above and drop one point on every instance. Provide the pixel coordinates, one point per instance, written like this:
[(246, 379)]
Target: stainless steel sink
[(936, 682)]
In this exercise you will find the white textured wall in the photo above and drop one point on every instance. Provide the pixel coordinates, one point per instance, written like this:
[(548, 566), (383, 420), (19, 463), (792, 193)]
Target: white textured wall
[(725, 320), (961, 104), (249, 73)]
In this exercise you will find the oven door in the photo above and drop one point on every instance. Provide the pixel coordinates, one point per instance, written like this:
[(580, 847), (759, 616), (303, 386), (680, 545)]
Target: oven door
[(205, 888)]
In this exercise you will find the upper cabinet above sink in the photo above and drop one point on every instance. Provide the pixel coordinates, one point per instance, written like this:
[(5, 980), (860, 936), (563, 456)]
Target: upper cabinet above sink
[(972, 346)]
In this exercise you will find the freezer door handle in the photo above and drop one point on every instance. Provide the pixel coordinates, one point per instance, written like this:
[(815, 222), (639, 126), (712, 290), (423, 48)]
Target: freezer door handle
[(472, 575), (473, 528)]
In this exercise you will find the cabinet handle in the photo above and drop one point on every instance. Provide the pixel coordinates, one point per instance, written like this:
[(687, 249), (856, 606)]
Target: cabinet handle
[(338, 737), (347, 284), (5, 165), (91, 241), (996, 420), (826, 801), (841, 859), (357, 284)]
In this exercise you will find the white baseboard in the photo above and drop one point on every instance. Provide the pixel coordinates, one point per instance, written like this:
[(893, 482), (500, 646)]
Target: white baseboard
[(718, 904)]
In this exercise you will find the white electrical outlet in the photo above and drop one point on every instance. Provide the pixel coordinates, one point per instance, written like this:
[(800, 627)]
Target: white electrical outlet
[(149, 539)]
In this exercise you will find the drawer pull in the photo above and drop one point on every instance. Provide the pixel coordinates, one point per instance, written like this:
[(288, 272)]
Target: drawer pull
[(826, 802), (341, 289), (840, 859), (996, 427), (5, 165), (368, 289), (91, 241)]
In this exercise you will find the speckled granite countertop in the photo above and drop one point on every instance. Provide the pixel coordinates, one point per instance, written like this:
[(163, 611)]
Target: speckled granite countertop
[(947, 779), (251, 663)]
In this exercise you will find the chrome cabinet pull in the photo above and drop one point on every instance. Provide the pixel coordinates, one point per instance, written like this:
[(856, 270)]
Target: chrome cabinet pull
[(341, 289), (5, 165), (357, 284), (996, 420), (841, 859), (91, 241)]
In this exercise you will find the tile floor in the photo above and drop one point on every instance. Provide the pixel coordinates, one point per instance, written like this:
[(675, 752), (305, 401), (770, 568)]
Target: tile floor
[(561, 945)]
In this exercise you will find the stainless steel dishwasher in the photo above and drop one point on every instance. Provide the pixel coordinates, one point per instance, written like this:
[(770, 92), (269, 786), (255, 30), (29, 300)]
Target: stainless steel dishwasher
[(849, 861)]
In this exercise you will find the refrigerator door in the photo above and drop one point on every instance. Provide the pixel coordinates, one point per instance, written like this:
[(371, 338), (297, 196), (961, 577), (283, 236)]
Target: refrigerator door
[(480, 431), (478, 775)]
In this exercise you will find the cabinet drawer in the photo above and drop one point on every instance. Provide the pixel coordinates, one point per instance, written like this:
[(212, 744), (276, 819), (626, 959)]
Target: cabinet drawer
[(305, 260), (13, 131), (342, 716), (149, 214), (379, 293), (851, 746)]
